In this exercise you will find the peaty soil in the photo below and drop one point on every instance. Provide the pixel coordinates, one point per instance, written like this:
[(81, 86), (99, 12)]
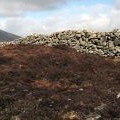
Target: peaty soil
[(44, 83)]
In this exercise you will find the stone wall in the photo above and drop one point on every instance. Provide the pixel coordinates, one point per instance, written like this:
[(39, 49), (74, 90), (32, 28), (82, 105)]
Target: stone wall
[(102, 43)]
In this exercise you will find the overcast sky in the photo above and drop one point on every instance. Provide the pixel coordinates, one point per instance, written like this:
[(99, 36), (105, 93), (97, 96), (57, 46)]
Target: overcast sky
[(25, 17)]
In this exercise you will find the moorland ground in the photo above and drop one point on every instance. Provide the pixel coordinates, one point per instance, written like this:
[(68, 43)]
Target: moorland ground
[(57, 83)]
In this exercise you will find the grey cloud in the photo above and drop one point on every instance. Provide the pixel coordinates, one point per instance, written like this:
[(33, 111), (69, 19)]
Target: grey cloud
[(19, 7), (117, 4)]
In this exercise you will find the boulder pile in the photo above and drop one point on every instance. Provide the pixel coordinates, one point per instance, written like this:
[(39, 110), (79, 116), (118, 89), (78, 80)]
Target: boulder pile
[(102, 43)]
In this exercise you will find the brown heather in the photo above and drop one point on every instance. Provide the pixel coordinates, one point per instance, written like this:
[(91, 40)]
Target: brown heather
[(57, 83)]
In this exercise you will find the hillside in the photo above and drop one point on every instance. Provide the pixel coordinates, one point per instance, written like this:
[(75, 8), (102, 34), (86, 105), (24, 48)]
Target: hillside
[(5, 36), (57, 83)]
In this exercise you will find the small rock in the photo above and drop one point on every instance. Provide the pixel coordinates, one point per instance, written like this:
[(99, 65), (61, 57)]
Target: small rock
[(69, 99), (116, 42), (40, 100), (81, 89), (91, 51), (117, 49), (15, 118), (82, 42), (93, 116), (78, 35), (110, 44), (71, 116), (50, 105), (118, 95), (101, 107)]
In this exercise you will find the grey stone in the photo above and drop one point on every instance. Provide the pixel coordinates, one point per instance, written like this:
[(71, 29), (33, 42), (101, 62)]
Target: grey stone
[(93, 116), (82, 42), (117, 49), (101, 107), (78, 35), (117, 42), (117, 34), (104, 44), (110, 44)]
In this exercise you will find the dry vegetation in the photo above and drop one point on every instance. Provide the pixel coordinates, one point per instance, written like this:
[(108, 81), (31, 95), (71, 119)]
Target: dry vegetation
[(43, 83)]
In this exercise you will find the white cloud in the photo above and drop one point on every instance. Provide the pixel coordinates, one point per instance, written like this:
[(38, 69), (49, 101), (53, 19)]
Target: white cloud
[(29, 25), (23, 26), (98, 17)]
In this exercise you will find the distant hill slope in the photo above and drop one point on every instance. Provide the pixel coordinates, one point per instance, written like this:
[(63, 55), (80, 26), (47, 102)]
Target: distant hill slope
[(5, 36)]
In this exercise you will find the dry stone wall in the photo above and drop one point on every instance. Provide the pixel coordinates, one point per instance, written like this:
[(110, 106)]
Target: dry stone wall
[(102, 43)]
